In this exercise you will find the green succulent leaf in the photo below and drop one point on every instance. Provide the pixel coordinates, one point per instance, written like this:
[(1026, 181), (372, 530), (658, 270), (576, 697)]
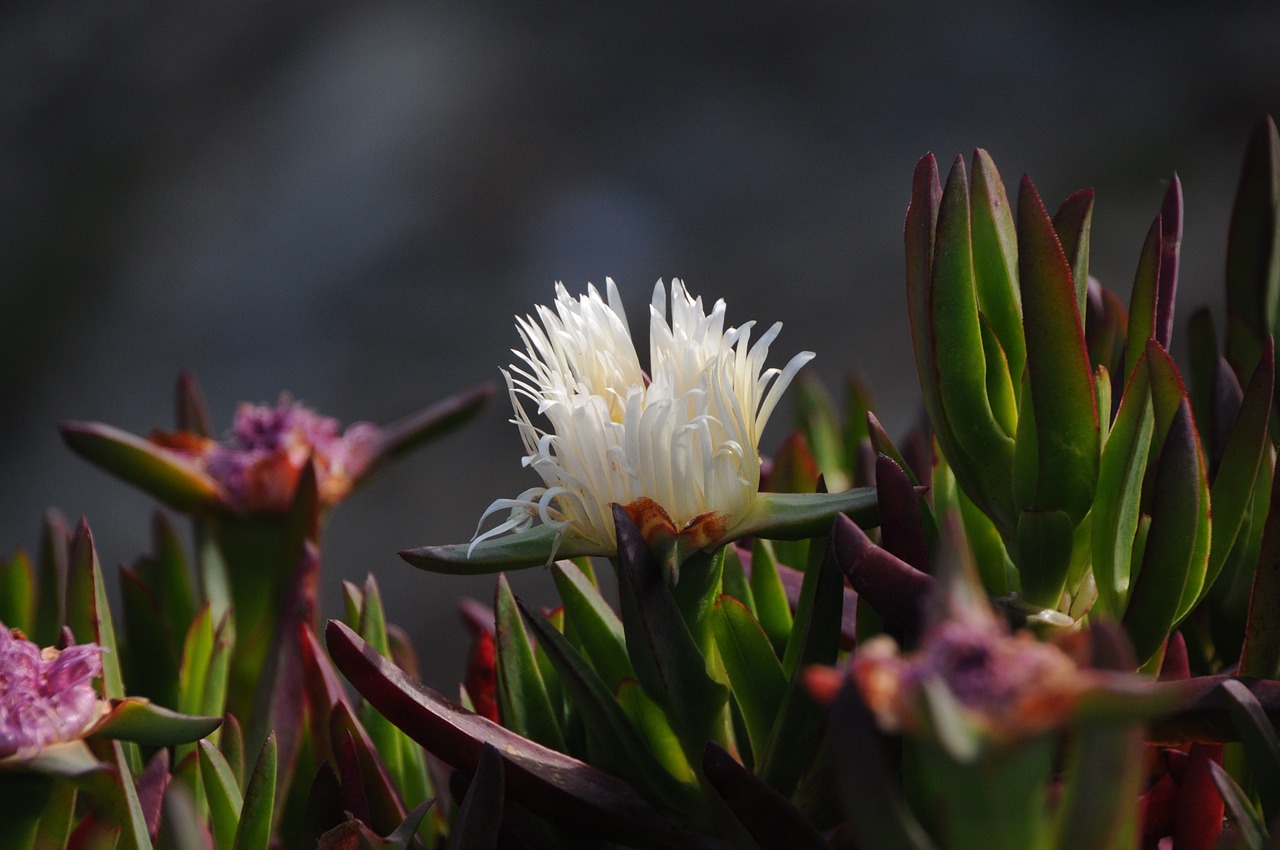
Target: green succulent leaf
[(143, 722), (1044, 555), (1246, 446), (18, 593), (1116, 506), (1250, 829), (526, 709), (1071, 223), (755, 675), (1260, 745), (1169, 559), (222, 791), (533, 547), (1253, 250), (592, 624), (480, 818), (168, 476), (254, 830), (546, 782), (405, 435), (995, 262), (1060, 377), (663, 652)]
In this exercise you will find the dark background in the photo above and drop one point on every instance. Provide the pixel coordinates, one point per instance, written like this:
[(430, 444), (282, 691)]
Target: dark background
[(350, 201)]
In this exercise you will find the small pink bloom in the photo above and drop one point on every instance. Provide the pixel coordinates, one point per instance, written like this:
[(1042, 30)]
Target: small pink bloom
[(46, 697), (260, 465)]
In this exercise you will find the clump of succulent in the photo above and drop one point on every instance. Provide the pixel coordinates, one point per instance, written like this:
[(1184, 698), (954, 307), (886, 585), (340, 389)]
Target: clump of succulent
[(1044, 618)]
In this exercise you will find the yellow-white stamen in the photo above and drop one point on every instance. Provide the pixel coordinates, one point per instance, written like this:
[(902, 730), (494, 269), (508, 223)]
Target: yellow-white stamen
[(686, 438)]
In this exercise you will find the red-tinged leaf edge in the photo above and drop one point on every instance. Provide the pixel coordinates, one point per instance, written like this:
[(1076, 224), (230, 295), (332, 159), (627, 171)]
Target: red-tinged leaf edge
[(1170, 248), (546, 782), (901, 528), (1067, 428), (479, 819)]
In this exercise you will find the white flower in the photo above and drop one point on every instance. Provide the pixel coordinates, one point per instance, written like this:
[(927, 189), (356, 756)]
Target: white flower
[(685, 439)]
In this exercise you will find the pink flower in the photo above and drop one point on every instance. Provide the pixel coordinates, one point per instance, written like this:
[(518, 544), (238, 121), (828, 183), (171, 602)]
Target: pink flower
[(46, 697), (258, 469)]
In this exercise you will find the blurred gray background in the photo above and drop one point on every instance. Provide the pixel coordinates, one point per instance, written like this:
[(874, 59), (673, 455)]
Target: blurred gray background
[(351, 201)]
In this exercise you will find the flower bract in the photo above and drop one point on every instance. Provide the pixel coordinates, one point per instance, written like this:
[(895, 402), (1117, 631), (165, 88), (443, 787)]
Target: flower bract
[(677, 446)]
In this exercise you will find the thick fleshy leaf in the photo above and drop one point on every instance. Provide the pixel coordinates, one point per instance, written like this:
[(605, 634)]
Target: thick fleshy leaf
[(168, 577), (918, 235), (1253, 249), (663, 652), (361, 767), (1142, 300), (796, 516), (795, 470), (522, 696), (1060, 377), (1249, 439), (649, 720), (877, 816), (480, 818), (534, 547), (544, 781), (254, 831), (168, 476), (51, 578), (58, 818), (88, 614), (1071, 222), (1170, 249), (755, 675), (772, 607), (1261, 748), (143, 722), (980, 451), (859, 401), (1167, 563), (1116, 506), (1260, 655), (592, 624), (1197, 823), (1044, 555), (814, 639), (1201, 709), (192, 412), (1249, 828), (373, 628), (604, 715), (995, 261), (902, 530), (815, 411), (894, 588), (180, 826), (18, 593), (153, 673), (769, 817), (1106, 767), (222, 791)]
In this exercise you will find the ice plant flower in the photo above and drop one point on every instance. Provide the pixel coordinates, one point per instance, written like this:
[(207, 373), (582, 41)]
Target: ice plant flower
[(678, 447), (258, 468), (46, 696)]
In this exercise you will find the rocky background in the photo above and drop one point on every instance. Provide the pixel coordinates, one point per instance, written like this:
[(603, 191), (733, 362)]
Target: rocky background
[(350, 201)]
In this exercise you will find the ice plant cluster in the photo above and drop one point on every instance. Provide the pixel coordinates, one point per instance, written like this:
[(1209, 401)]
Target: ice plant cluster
[(680, 442), (46, 696), (259, 467)]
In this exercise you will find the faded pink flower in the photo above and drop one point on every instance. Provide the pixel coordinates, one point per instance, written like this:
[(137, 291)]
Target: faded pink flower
[(1009, 686), (259, 467), (46, 696)]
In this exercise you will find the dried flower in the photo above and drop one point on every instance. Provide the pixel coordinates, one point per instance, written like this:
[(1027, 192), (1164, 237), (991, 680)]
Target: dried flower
[(46, 696), (1007, 686), (258, 469), (679, 445)]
